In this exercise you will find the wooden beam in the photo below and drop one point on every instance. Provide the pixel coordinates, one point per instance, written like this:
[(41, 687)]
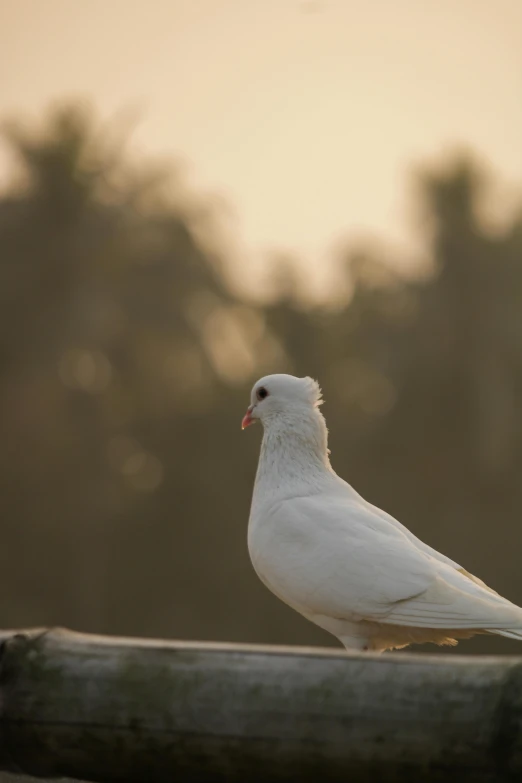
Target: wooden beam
[(110, 709)]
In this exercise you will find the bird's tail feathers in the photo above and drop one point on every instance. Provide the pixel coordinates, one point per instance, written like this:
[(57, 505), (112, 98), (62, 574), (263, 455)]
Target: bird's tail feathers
[(510, 633)]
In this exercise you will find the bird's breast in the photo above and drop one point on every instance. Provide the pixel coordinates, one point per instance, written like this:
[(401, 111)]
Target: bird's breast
[(279, 556)]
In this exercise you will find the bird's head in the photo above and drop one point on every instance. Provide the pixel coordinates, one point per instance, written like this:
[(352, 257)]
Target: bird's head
[(277, 395)]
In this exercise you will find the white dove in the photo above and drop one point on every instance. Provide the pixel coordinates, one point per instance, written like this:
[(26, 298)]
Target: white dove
[(342, 563)]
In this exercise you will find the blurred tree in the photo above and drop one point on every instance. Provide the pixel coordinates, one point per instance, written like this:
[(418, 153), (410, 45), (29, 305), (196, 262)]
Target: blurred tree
[(125, 367), (448, 451), (112, 308)]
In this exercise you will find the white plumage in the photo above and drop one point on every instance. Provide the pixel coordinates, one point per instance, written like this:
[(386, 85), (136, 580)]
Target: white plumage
[(344, 564)]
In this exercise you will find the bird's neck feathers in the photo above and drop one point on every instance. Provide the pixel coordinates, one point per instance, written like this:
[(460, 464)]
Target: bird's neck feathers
[(294, 453)]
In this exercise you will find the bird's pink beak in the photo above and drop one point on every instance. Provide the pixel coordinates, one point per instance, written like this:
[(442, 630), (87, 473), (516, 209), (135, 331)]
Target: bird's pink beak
[(247, 418)]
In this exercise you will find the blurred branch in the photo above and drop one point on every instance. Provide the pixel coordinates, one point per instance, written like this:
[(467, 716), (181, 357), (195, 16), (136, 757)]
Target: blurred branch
[(102, 708)]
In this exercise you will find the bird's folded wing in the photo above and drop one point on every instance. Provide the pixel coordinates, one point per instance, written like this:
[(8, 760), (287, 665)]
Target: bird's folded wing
[(345, 561), (422, 546)]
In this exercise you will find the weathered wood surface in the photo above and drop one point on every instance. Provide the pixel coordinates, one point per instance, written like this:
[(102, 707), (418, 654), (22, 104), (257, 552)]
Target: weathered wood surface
[(109, 709)]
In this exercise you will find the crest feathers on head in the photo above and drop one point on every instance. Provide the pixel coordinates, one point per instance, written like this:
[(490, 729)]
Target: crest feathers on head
[(316, 394)]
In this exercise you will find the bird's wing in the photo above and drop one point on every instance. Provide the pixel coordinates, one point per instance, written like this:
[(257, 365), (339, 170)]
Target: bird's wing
[(337, 558), (346, 489), (426, 548)]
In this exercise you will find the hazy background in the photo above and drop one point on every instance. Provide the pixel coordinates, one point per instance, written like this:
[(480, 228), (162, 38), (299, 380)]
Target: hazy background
[(196, 193)]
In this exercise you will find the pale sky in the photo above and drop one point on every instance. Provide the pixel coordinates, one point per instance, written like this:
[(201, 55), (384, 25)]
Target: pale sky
[(305, 116)]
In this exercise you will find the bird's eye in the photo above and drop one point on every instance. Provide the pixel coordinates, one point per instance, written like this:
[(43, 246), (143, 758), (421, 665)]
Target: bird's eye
[(261, 393)]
